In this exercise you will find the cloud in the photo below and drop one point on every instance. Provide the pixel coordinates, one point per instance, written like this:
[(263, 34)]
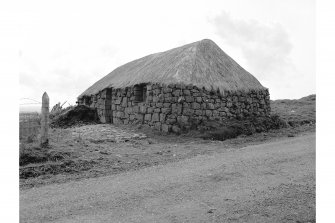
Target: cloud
[(108, 50), (265, 47), (64, 72), (26, 79)]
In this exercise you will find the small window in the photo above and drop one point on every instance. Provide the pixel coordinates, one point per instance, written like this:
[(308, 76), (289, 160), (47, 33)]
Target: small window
[(87, 101), (140, 92)]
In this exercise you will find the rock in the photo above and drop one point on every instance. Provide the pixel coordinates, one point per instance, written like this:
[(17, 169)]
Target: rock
[(188, 111), (136, 109), (195, 105), (147, 117), (210, 211), (175, 129), (159, 105), (162, 117), (128, 110), (186, 92), (176, 93), (124, 102), (176, 109), (182, 119), (166, 110), (155, 99), (117, 121), (149, 98), (198, 112), (120, 114), (209, 113), (158, 126), (167, 90), (171, 121), (167, 105), (143, 109), (189, 99), (166, 128), (155, 117), (210, 106)]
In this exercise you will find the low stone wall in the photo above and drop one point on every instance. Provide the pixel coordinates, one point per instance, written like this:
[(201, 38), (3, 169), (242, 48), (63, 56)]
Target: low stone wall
[(176, 107)]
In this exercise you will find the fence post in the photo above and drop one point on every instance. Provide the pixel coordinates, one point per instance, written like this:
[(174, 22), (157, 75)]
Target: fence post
[(44, 141)]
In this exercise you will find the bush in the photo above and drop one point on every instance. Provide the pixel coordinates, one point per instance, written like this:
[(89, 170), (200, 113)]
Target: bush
[(223, 134), (32, 154), (78, 115), (233, 128), (35, 154)]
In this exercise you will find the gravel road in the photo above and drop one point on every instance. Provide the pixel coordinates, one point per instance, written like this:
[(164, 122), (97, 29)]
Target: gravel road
[(271, 182)]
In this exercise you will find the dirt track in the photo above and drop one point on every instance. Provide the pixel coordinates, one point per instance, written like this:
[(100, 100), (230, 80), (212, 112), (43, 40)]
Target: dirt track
[(272, 182)]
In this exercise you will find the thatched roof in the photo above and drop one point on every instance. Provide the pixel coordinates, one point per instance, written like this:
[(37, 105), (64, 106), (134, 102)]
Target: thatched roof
[(200, 63)]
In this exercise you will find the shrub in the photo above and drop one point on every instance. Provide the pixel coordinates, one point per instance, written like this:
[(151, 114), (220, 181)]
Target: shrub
[(223, 134), (233, 128), (80, 114), (30, 153)]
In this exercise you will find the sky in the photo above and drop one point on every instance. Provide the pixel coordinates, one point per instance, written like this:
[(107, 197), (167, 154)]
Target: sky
[(66, 46)]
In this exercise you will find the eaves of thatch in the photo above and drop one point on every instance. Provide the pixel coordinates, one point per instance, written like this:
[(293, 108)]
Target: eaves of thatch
[(201, 63)]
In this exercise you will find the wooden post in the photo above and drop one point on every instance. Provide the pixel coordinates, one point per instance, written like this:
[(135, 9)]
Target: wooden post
[(44, 120)]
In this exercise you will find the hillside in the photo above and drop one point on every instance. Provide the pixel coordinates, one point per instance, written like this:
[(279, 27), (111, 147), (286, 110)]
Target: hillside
[(297, 111)]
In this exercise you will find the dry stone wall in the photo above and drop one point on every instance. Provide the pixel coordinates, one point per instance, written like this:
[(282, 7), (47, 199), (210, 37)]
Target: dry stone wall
[(176, 107)]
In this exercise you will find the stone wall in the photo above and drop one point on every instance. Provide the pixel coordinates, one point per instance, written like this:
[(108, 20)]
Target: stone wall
[(176, 107)]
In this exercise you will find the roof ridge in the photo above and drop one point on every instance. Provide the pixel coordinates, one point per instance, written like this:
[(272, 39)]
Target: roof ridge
[(195, 58)]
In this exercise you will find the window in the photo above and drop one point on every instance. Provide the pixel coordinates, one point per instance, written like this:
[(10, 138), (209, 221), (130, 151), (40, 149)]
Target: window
[(87, 101), (140, 92)]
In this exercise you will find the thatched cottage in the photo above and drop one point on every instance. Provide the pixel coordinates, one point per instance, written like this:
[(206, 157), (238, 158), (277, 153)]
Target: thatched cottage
[(178, 89)]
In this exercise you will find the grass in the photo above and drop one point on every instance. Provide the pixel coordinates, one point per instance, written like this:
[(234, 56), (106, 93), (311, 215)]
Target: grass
[(29, 126), (75, 157), (42, 161), (33, 153), (296, 112)]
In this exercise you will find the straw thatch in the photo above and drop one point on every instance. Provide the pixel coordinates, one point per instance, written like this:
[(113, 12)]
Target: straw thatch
[(202, 64)]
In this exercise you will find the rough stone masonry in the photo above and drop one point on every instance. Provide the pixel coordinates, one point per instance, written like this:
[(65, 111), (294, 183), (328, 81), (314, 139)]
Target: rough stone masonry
[(176, 107)]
